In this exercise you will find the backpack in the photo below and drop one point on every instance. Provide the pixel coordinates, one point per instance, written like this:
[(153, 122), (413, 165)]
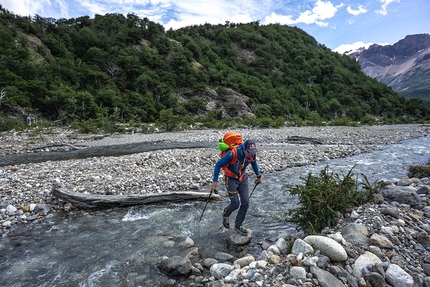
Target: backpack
[(231, 141)]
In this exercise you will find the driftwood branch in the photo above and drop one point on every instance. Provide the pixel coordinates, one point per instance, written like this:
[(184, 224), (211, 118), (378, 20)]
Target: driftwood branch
[(299, 139), (56, 145), (98, 200)]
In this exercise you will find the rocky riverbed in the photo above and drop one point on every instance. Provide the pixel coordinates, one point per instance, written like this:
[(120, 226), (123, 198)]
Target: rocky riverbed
[(26, 197)]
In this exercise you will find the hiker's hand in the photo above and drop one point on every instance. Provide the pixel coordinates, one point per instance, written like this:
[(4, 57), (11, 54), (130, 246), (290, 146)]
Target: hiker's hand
[(259, 179), (213, 185)]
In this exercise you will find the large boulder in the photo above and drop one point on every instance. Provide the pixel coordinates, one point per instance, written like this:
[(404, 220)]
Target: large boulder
[(403, 195), (176, 266), (328, 246)]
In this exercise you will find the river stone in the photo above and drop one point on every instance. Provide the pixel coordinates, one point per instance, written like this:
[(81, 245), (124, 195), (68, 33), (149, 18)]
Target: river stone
[(402, 195), (394, 212), (191, 253), (274, 259), (233, 276), (244, 261), (298, 272), (258, 264), (325, 279), (378, 199), (336, 237), (425, 189), (356, 234), (404, 182), (32, 206), (10, 209), (221, 270), (424, 239), (426, 211), (346, 273), (398, 277), (300, 246), (426, 268), (311, 261), (375, 279), (381, 241), (208, 262), (5, 203), (274, 249), (176, 266), (362, 262), (328, 246), (41, 208), (237, 239), (188, 242), (282, 245), (377, 251), (223, 256)]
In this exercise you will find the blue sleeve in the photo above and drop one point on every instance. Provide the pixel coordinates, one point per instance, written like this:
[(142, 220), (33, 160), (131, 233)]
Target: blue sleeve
[(254, 165), (225, 160)]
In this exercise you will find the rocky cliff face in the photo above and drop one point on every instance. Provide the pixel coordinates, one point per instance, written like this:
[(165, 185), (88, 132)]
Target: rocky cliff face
[(404, 66)]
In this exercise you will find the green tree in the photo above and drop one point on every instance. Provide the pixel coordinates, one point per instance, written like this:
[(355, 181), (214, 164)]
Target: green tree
[(168, 120)]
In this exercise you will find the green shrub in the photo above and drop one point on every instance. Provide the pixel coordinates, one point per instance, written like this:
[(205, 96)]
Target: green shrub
[(168, 120), (85, 126), (322, 198), (419, 171), (314, 119), (368, 120), (12, 123), (342, 121), (267, 122)]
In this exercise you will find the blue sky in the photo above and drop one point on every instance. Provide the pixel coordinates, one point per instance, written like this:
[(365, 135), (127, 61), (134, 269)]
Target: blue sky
[(339, 25)]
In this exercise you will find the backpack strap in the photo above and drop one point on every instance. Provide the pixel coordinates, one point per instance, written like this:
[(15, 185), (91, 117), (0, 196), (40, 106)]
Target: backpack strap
[(239, 166)]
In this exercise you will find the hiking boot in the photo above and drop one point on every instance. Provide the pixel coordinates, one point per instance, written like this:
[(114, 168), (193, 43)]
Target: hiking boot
[(226, 221), (241, 230)]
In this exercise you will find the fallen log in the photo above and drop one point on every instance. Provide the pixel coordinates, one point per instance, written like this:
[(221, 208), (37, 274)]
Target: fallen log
[(57, 145), (301, 140), (98, 200)]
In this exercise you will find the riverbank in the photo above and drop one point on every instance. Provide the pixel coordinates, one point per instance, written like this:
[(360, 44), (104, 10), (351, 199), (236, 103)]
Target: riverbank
[(26, 189)]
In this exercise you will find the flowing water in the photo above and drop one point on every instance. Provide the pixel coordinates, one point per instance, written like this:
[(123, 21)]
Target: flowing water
[(121, 247)]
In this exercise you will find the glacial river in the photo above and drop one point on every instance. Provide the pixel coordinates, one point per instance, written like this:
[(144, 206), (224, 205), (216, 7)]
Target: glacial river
[(122, 246)]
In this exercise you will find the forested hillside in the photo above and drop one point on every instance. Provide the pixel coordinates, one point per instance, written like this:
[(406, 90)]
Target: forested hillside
[(114, 69)]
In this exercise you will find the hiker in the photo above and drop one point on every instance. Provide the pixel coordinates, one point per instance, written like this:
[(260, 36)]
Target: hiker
[(234, 164)]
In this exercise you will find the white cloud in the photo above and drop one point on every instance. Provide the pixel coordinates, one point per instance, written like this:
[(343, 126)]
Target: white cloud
[(320, 12), (351, 47), (25, 7), (45, 8), (281, 19), (385, 3), (355, 46), (185, 13), (357, 12), (95, 8)]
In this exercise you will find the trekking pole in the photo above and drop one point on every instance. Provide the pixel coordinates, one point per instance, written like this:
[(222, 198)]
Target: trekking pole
[(256, 183), (207, 200)]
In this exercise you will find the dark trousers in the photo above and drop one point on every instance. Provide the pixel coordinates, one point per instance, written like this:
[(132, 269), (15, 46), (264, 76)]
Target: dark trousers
[(239, 196)]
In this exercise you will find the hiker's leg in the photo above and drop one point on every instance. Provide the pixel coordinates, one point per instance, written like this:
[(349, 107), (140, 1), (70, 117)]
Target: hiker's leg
[(232, 184), (244, 201)]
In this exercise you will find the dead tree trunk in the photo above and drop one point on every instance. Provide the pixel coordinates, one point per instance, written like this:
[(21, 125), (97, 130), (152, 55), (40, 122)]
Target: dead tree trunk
[(302, 140), (98, 200), (58, 145)]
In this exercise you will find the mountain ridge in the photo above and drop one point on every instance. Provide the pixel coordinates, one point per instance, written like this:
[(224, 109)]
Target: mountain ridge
[(404, 66)]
